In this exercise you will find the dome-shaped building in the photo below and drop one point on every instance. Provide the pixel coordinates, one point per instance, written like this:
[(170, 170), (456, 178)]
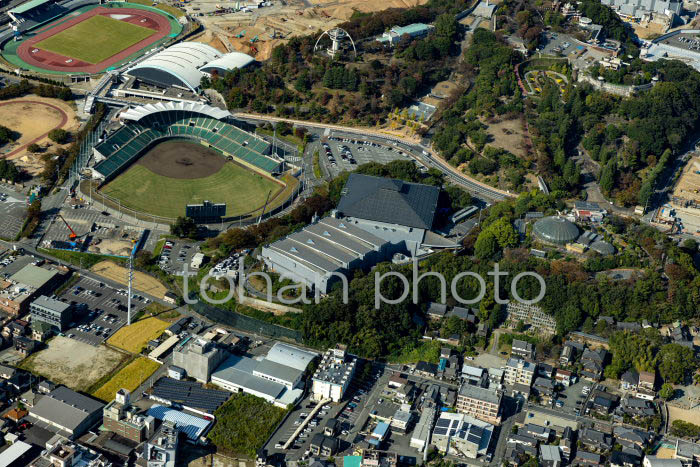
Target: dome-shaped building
[(555, 230), (602, 247)]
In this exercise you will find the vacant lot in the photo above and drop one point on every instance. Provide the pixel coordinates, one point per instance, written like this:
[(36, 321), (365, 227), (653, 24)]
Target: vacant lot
[(133, 338), (73, 363), (677, 413), (508, 135), (143, 190), (142, 282), (130, 378), (95, 39)]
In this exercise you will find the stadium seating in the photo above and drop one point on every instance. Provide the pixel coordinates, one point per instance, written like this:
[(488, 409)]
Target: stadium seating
[(124, 145)]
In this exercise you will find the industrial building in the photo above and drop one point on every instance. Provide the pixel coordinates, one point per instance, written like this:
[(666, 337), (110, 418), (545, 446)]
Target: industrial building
[(276, 378), (414, 31), (54, 312), (333, 375), (375, 219), (161, 449), (69, 412), (555, 230), (120, 417), (191, 426), (184, 64), (18, 291), (481, 403), (199, 358), (460, 435)]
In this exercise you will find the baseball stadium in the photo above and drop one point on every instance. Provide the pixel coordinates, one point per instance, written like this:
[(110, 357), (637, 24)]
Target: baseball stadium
[(166, 156), (83, 37)]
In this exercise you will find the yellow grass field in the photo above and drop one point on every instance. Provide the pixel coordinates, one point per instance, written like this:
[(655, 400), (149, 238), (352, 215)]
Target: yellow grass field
[(133, 338), (142, 282), (130, 378)]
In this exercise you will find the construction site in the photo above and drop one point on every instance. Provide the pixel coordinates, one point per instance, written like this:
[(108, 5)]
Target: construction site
[(685, 198), (231, 26)]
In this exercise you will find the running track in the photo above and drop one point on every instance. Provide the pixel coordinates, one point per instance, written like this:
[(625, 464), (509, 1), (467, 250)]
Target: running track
[(64, 120)]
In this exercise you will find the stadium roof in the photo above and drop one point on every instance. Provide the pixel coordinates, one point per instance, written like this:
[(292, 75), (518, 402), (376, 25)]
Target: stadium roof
[(180, 64), (140, 112), (25, 7), (389, 200), (556, 230), (228, 62)]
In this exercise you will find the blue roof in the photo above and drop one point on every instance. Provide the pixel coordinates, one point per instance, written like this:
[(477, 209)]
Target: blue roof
[(381, 429), (191, 426), (352, 461)]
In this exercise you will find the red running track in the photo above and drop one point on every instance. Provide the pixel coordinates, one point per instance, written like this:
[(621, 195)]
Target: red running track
[(56, 62), (64, 119)]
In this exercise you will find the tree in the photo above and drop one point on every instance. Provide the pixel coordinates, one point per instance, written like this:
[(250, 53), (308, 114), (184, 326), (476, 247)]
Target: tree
[(59, 135), (446, 26), (666, 392), (34, 148), (690, 245), (676, 362), (184, 227)]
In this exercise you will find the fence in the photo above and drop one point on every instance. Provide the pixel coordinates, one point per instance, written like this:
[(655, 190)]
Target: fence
[(243, 322)]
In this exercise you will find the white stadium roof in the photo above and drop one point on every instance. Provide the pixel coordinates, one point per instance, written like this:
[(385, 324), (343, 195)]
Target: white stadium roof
[(140, 112), (229, 62), (180, 64)]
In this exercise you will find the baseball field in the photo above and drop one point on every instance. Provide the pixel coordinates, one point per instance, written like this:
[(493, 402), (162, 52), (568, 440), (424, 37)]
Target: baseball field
[(95, 39), (176, 173)]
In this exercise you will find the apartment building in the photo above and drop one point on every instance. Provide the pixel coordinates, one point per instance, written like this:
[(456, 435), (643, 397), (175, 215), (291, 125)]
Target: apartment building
[(519, 371), (481, 403)]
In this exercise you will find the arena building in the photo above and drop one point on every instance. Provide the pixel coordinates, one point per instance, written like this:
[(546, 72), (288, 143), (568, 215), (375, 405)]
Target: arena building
[(555, 230), (184, 65)]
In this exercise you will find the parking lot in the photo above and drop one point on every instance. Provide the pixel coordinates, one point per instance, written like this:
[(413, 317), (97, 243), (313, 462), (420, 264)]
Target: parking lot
[(100, 310), (346, 150), (12, 262), (175, 254), (13, 210), (574, 397)]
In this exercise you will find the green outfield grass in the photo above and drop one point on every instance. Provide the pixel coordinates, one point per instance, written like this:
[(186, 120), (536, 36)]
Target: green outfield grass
[(242, 190), (95, 39)]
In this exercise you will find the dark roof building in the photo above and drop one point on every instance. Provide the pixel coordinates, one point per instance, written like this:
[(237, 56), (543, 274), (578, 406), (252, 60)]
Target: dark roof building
[(69, 412), (389, 200), (555, 230)]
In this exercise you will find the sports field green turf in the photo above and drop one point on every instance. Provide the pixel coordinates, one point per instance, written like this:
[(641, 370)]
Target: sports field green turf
[(242, 190), (95, 39)]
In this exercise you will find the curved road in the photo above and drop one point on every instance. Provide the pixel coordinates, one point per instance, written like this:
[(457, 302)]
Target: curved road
[(418, 151)]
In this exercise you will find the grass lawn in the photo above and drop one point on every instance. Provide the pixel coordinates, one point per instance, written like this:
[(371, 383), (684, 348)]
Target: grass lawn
[(133, 338), (95, 39), (427, 351), (77, 258), (241, 189), (130, 378), (244, 423)]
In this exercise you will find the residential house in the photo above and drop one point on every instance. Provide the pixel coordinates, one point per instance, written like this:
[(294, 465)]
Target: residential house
[(518, 454), (629, 380), (544, 388), (593, 364), (603, 402), (425, 369), (545, 370), (567, 443), (567, 355), (496, 376), (397, 380), (550, 456), (637, 407), (688, 453), (322, 445), (436, 311), (563, 377), (588, 459), (540, 433), (623, 459), (653, 461), (526, 440), (474, 375), (647, 385), (595, 440), (631, 436), (406, 393), (522, 349)]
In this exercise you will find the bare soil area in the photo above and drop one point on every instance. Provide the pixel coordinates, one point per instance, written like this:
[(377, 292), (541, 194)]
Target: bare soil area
[(142, 282), (508, 135), (182, 159)]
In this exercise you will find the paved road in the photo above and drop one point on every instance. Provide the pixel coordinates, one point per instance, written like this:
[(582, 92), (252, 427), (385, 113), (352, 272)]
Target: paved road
[(418, 151)]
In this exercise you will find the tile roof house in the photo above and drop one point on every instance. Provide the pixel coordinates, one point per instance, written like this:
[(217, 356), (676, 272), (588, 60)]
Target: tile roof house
[(629, 380), (593, 363), (588, 459), (595, 440), (635, 406)]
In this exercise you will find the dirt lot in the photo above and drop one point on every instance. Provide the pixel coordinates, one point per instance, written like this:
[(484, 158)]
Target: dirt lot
[(33, 117), (677, 413), (182, 159), (688, 186), (508, 135), (142, 282), (73, 363)]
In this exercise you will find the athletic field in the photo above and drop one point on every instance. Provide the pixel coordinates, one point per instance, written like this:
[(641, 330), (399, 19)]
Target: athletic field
[(141, 189), (95, 39)]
